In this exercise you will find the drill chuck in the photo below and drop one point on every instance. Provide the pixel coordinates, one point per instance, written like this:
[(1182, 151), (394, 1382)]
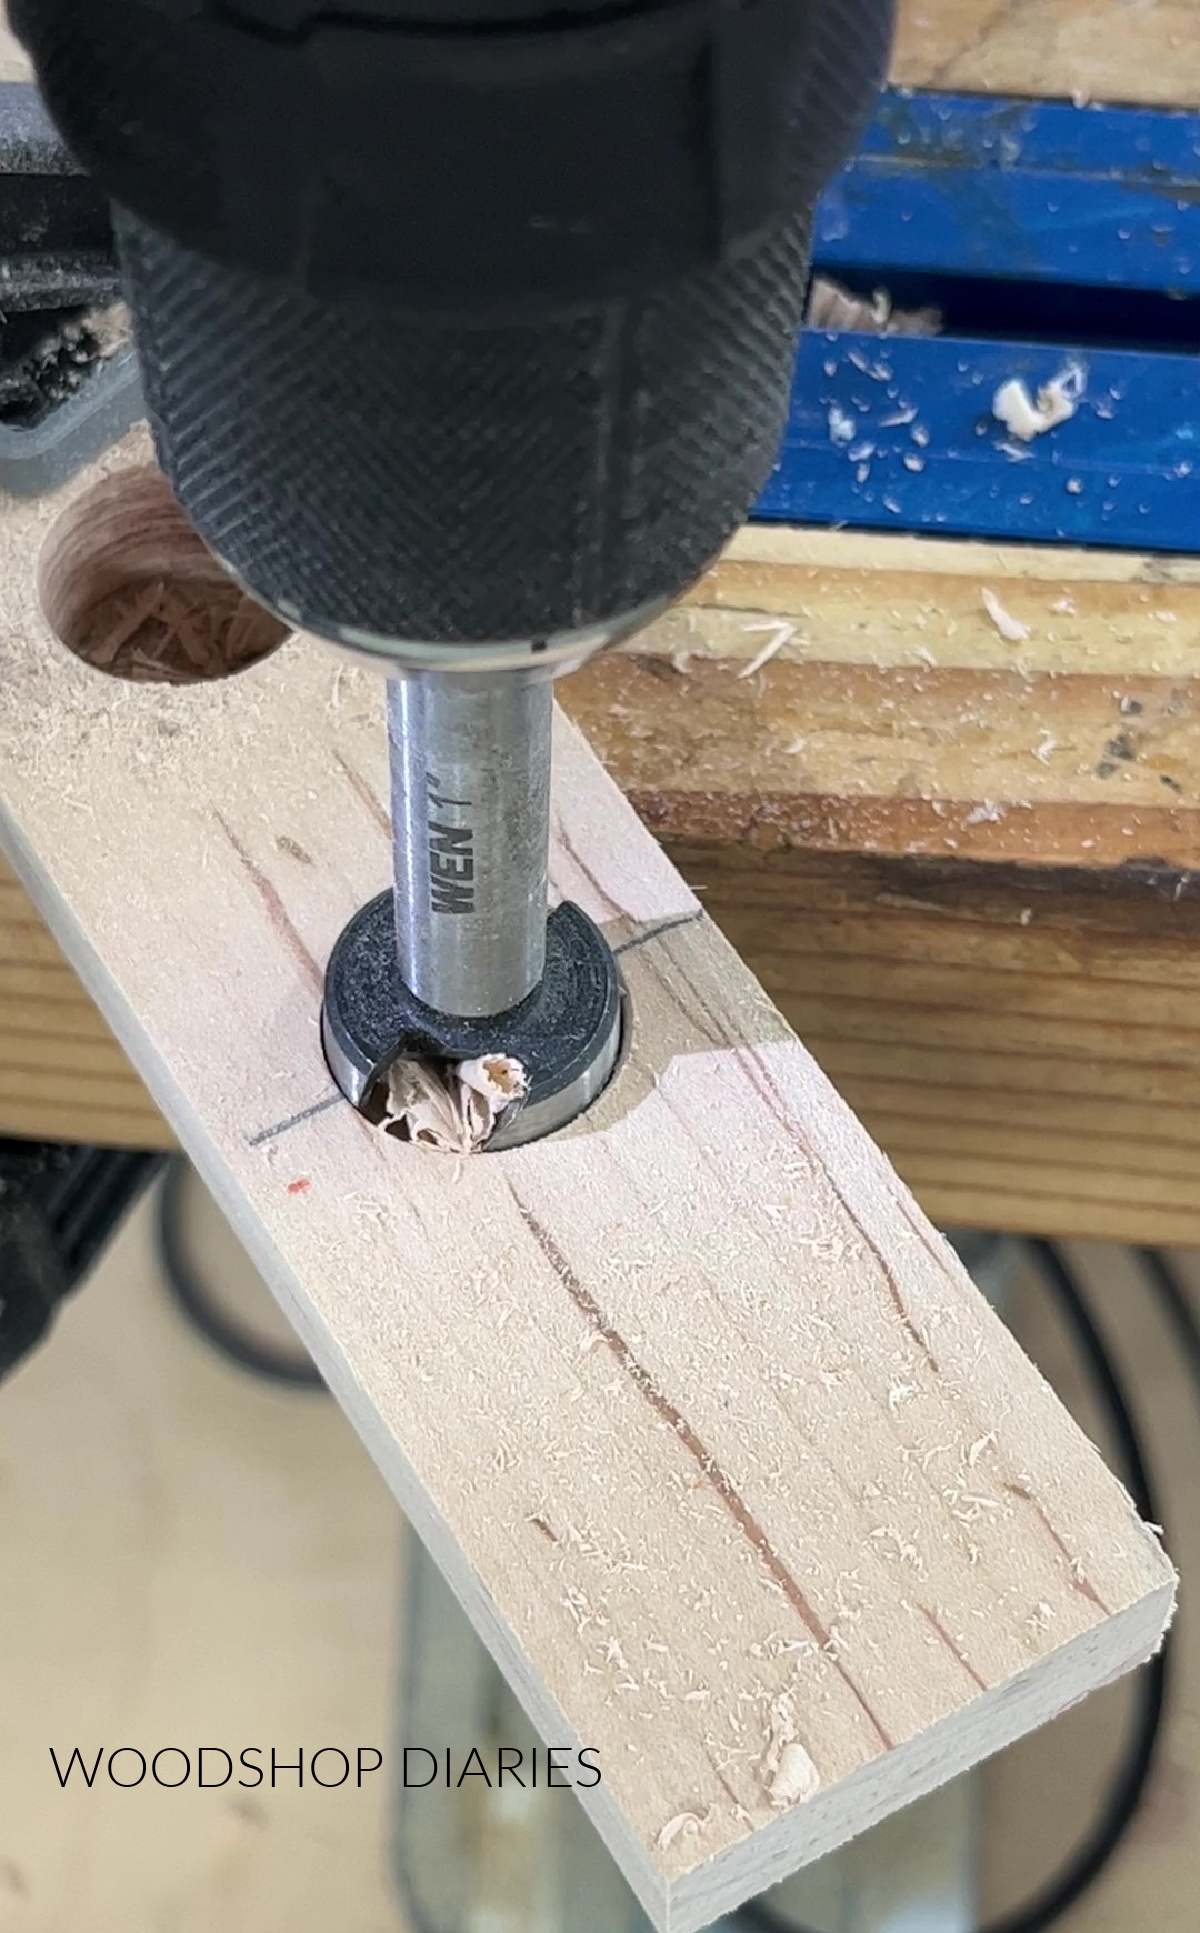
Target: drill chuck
[(463, 321)]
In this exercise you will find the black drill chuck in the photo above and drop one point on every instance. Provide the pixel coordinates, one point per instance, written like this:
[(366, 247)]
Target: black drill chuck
[(463, 320)]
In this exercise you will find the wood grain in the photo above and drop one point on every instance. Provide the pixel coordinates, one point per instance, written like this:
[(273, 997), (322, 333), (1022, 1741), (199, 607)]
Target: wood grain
[(1104, 50), (800, 1485), (901, 823), (281, 1623)]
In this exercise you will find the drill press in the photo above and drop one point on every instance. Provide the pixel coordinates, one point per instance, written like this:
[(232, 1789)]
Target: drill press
[(467, 331)]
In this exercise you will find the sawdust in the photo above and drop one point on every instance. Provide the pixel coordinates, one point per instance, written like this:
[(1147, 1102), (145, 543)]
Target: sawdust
[(1056, 402), (112, 327), (1010, 628), (788, 1770), (171, 631), (683, 1825), (833, 308), (50, 357), (781, 634), (129, 587), (455, 1108)]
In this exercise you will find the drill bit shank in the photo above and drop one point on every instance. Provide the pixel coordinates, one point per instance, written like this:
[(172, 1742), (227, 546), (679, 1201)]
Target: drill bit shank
[(470, 754)]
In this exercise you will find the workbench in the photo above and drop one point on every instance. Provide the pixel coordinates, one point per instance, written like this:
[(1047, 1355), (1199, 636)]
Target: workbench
[(964, 863)]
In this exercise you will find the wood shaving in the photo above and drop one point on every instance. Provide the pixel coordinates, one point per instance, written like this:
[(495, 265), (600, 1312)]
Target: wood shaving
[(788, 1770), (833, 308), (684, 1823), (780, 635), (842, 427), (112, 327), (1057, 401), (1009, 627), (454, 1109), (796, 1777)]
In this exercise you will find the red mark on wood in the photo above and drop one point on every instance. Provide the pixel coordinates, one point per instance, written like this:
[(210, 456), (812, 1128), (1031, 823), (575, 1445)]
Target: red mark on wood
[(955, 1650), (707, 1464), (274, 907), (1078, 1580), (363, 792), (300, 1186)]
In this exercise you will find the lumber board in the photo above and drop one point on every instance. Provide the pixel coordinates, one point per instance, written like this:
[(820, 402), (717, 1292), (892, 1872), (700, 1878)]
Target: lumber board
[(713, 1437), (894, 709), (1102, 50), (1059, 1057), (1017, 931)]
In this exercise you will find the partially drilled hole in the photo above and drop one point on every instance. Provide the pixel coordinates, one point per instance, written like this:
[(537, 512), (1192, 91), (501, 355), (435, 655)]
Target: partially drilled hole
[(128, 586)]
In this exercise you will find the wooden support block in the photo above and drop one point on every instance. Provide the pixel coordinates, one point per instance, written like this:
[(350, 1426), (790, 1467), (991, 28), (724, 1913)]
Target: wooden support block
[(726, 1458), (1101, 50)]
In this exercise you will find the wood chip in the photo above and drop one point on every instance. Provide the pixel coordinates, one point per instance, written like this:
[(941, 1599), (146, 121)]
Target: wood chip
[(1057, 401), (1009, 627), (453, 1109), (781, 634)]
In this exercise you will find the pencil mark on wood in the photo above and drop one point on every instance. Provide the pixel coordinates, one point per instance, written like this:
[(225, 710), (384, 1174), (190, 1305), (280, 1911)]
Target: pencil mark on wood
[(934, 1621), (707, 1464), (279, 1128), (358, 785), (563, 839), (543, 1529), (656, 932), (273, 904)]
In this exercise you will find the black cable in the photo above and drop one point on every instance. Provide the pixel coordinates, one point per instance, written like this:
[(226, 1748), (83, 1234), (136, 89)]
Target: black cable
[(193, 1299), (1123, 1800), (1176, 1304)]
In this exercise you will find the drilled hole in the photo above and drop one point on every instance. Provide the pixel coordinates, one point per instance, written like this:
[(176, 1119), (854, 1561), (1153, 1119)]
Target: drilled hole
[(128, 586)]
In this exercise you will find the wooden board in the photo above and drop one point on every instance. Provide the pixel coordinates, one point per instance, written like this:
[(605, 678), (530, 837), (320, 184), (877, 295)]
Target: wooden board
[(1041, 1076), (109, 1442), (894, 708), (980, 918), (1104, 50), (711, 1434)]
